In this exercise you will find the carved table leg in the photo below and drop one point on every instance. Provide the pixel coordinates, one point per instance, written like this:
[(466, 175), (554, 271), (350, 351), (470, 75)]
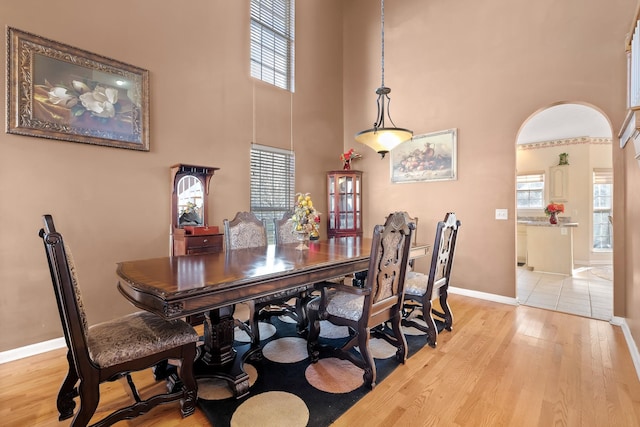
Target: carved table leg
[(219, 358)]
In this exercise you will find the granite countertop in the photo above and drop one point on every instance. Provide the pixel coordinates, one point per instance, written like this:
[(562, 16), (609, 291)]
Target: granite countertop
[(543, 221), (547, 223)]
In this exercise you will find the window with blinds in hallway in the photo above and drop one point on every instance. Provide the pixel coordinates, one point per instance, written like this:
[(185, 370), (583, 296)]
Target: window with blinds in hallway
[(602, 209), (272, 184), (273, 42)]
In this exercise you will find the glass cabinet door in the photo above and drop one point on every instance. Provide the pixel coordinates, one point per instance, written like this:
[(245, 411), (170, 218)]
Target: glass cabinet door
[(344, 203)]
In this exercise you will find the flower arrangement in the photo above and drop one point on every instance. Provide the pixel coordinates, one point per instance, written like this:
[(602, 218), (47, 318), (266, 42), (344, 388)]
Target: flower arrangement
[(348, 156), (554, 208), (305, 217)]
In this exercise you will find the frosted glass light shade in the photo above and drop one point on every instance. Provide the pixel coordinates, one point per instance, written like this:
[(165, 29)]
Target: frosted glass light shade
[(383, 140)]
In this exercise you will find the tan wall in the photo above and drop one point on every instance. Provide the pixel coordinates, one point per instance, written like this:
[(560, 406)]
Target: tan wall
[(113, 204), (483, 68)]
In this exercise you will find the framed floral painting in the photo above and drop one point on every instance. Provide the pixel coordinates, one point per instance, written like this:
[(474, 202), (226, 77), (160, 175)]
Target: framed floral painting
[(428, 157), (60, 92)]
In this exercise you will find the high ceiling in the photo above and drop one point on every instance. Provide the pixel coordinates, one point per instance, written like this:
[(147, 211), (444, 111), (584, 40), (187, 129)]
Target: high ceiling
[(565, 121)]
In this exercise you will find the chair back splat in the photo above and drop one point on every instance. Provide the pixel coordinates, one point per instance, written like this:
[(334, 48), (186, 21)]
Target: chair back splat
[(113, 349), (285, 229), (367, 310), (245, 230), (421, 289)]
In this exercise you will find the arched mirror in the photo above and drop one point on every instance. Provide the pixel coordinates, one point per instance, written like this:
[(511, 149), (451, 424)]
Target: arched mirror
[(190, 194), (191, 232)]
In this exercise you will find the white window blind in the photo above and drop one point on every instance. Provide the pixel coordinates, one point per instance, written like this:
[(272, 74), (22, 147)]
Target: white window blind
[(602, 208), (272, 184), (530, 191), (272, 42)]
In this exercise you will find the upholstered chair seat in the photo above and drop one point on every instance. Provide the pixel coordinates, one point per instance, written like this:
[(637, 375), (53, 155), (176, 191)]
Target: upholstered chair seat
[(415, 283), (341, 304), (136, 336)]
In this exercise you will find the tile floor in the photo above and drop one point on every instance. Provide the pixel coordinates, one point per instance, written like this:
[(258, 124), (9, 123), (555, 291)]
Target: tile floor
[(589, 292)]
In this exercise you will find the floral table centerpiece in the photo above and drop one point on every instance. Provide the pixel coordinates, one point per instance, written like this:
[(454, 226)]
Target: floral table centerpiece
[(347, 157), (306, 219), (552, 210)]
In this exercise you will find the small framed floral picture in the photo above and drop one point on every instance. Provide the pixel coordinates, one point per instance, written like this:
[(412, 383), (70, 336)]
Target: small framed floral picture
[(428, 157), (60, 92)]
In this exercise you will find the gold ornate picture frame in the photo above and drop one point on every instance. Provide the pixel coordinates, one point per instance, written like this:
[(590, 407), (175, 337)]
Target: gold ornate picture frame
[(428, 157), (57, 91)]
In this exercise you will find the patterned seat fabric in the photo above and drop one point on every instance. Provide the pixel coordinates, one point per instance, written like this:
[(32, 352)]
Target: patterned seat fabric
[(247, 235), (135, 336), (244, 231)]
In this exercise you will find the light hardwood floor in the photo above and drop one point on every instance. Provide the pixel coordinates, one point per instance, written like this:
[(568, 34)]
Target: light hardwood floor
[(500, 366)]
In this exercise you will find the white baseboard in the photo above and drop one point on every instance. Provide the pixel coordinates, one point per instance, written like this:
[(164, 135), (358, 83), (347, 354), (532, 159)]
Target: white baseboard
[(633, 348), (483, 295), (32, 350), (592, 262)]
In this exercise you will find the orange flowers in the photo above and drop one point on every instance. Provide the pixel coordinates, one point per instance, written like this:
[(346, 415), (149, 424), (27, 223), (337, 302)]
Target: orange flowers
[(554, 208)]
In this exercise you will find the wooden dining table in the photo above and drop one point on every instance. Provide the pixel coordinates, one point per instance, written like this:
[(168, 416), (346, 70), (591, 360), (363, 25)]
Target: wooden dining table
[(211, 284)]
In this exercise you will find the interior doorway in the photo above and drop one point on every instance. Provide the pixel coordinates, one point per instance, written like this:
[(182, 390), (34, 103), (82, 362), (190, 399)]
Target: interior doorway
[(583, 135)]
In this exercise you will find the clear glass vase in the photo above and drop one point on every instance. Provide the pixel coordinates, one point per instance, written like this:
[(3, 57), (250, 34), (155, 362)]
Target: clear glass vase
[(303, 238)]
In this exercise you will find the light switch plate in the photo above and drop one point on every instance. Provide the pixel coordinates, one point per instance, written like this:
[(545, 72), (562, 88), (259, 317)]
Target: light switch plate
[(502, 214)]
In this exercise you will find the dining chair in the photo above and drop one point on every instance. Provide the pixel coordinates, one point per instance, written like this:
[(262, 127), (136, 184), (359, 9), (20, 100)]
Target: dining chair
[(368, 309), (421, 289), (244, 231), (113, 349)]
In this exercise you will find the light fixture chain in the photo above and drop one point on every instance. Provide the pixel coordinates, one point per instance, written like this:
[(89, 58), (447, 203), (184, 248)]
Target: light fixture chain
[(382, 32)]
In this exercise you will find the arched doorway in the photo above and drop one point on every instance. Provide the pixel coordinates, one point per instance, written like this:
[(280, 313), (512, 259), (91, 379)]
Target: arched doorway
[(583, 135)]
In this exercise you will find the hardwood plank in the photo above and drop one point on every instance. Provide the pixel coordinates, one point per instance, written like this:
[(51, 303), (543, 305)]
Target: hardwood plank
[(500, 366)]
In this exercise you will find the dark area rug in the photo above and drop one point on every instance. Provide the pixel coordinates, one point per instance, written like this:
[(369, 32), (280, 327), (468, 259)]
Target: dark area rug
[(323, 407)]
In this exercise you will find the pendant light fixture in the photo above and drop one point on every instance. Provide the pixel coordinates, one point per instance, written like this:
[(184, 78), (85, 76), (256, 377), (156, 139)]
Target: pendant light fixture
[(380, 138)]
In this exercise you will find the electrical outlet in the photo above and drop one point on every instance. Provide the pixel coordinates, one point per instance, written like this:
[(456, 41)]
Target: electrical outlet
[(502, 214)]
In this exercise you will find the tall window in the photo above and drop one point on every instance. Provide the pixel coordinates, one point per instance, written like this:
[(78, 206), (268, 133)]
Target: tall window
[(530, 191), (272, 42), (602, 204), (272, 184)]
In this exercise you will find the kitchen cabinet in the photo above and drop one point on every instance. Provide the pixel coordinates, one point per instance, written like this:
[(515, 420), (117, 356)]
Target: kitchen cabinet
[(559, 183)]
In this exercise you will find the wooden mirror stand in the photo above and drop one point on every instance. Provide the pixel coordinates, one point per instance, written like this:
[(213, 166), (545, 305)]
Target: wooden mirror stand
[(191, 233)]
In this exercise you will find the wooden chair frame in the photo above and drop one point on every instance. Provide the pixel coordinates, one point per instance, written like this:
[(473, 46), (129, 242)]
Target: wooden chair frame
[(383, 296), (84, 375), (418, 304)]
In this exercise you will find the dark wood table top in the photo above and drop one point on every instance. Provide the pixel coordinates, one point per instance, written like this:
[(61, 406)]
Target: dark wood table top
[(184, 285)]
